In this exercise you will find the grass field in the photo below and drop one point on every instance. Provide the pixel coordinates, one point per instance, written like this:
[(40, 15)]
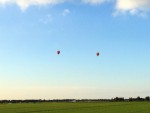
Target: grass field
[(102, 107)]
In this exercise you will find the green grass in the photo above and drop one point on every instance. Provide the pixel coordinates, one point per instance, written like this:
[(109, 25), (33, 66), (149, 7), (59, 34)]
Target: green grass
[(101, 107)]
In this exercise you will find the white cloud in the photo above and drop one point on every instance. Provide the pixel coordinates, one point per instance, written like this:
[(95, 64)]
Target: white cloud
[(134, 7), (65, 12), (24, 4)]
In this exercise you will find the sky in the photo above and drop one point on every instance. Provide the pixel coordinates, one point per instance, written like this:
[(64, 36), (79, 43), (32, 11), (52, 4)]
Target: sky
[(31, 31)]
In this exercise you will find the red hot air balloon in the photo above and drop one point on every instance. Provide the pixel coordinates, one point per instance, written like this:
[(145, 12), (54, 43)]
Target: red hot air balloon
[(58, 52), (97, 54)]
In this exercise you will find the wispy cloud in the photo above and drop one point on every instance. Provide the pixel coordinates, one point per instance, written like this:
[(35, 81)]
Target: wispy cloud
[(134, 7), (65, 12), (94, 2), (47, 19)]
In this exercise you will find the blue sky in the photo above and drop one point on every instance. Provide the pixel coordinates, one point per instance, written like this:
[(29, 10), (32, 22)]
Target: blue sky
[(32, 31)]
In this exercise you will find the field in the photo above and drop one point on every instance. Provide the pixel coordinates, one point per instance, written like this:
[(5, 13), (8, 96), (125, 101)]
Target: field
[(101, 107)]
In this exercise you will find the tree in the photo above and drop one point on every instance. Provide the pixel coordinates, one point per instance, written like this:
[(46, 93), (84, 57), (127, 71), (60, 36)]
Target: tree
[(130, 99), (147, 98)]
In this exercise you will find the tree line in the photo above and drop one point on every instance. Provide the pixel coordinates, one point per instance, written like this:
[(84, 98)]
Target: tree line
[(116, 99)]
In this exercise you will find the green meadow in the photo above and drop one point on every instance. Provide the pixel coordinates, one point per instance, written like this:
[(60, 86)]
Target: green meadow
[(99, 107)]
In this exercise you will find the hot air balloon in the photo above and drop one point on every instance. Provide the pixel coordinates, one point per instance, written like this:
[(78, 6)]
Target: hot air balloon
[(58, 52), (97, 54)]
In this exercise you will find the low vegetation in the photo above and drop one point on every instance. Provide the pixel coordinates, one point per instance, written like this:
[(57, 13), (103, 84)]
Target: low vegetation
[(76, 107)]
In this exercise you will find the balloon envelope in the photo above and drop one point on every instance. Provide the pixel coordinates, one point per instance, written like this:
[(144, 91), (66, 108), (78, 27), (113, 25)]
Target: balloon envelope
[(58, 52), (97, 54)]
